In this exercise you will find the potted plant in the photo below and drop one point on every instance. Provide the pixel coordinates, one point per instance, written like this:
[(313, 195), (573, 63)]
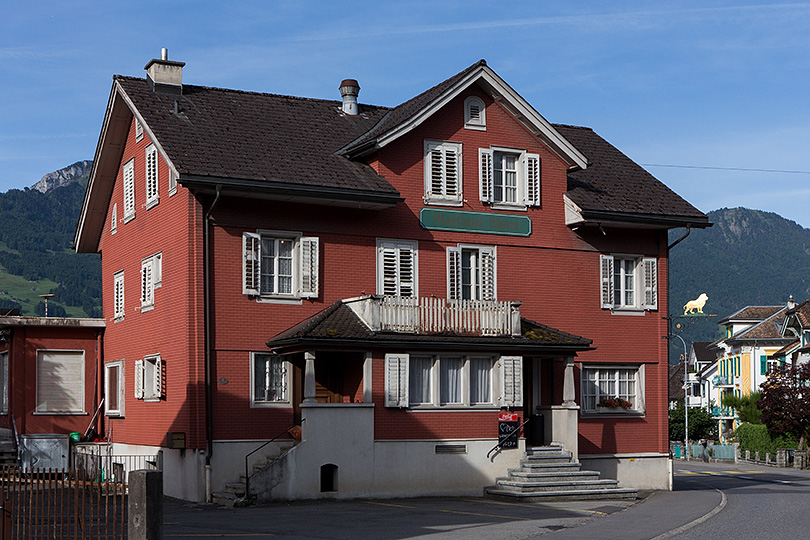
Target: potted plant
[(614, 404)]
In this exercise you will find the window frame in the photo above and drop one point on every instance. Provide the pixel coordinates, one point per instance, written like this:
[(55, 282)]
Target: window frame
[(286, 400), (43, 375), (129, 190), (151, 165), (486, 271), (586, 396), (645, 283), (478, 121), (305, 266), (528, 173), (387, 248), (138, 130), (149, 378), (118, 296), (114, 219), (118, 367), (151, 279), (442, 149)]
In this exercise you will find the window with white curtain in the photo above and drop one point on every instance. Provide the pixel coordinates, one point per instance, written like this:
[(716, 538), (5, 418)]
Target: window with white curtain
[(450, 381), (480, 380), (605, 382), (419, 383)]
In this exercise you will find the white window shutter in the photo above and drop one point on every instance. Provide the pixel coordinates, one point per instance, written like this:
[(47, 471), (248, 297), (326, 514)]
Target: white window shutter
[(453, 273), (488, 281), (485, 174), (607, 281), (452, 180), (512, 381), (138, 379), (309, 267), (147, 283), (129, 189), (157, 270), (650, 283), (389, 284), (114, 219), (407, 270), (251, 263), (158, 382), (531, 171), (396, 380)]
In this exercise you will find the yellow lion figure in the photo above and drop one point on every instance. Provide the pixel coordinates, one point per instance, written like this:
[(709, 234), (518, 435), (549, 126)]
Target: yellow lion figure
[(696, 304)]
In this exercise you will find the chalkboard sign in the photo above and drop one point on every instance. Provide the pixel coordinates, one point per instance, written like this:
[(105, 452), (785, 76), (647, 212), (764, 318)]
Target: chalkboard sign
[(507, 430)]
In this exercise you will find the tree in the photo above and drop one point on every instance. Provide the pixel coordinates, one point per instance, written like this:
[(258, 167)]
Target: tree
[(746, 407), (785, 402), (701, 424)]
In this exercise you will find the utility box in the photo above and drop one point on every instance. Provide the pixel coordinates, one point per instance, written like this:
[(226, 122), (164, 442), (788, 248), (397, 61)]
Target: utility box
[(176, 439), (45, 451)]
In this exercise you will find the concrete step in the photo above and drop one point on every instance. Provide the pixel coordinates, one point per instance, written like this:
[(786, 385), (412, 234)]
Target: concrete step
[(548, 458), (548, 467), (224, 498), (567, 495), (237, 488), (554, 476), (534, 487)]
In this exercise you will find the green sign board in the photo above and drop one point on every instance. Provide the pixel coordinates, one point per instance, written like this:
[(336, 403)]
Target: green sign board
[(478, 222)]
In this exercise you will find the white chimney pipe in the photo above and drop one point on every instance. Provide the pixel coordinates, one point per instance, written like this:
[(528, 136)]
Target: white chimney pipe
[(164, 53), (349, 88)]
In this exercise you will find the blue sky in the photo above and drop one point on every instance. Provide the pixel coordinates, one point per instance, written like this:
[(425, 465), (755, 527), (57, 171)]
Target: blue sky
[(716, 91)]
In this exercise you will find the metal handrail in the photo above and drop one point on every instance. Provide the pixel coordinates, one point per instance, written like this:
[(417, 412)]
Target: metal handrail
[(500, 445), (247, 476)]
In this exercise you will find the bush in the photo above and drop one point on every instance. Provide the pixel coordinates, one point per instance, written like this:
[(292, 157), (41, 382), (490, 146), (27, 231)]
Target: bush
[(756, 437)]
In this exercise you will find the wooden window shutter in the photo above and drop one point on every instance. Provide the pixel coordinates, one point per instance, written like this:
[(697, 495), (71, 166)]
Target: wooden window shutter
[(147, 283), (151, 173), (453, 273), (114, 219), (396, 380), (607, 281), (451, 172), (488, 282), (763, 365), (129, 189), (138, 379), (158, 380), (531, 171), (512, 381), (309, 267), (389, 284), (650, 283), (485, 174), (406, 270), (251, 263)]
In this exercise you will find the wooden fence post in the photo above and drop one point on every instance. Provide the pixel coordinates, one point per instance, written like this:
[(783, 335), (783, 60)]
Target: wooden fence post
[(145, 505)]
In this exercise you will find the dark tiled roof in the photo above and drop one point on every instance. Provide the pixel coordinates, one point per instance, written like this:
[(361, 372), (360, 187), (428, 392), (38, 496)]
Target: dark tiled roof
[(261, 137), (703, 351), (752, 313), (338, 324), (770, 329), (676, 381), (614, 184), (802, 313), (786, 349)]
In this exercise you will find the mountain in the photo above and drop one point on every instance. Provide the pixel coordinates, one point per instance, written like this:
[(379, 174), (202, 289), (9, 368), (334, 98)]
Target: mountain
[(36, 234), (73, 173), (747, 258)]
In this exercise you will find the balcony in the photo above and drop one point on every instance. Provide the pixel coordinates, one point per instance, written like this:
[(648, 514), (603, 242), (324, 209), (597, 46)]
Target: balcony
[(722, 382), (723, 412), (430, 315)]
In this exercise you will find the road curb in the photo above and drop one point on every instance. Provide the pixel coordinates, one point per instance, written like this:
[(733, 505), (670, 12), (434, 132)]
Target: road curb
[(698, 521)]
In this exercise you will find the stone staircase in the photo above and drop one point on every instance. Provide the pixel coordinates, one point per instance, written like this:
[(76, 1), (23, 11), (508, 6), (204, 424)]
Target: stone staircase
[(549, 473), (8, 448), (237, 491)]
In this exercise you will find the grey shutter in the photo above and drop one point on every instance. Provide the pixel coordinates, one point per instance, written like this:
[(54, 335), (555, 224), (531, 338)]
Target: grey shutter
[(511, 381), (396, 380), (531, 172), (251, 263), (488, 281), (485, 174), (607, 281), (138, 379), (453, 273), (309, 267), (650, 283)]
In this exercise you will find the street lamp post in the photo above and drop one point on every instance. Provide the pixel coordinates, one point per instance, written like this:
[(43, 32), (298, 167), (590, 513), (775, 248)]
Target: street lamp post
[(685, 401)]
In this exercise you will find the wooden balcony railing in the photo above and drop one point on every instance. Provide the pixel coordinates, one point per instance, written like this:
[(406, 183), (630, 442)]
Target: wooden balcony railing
[(430, 315)]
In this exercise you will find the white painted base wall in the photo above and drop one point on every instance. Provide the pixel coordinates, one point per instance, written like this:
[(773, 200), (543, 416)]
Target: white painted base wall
[(647, 470)]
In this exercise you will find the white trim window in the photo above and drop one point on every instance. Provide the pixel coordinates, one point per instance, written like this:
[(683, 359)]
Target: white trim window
[(397, 267), (475, 114), (114, 219), (269, 380), (509, 178), (114, 389), (605, 382), (129, 190), (149, 379), (151, 278), (453, 381), (152, 195), (471, 272), (279, 265), (60, 382), (443, 173), (118, 296), (629, 282), (138, 130), (4, 383)]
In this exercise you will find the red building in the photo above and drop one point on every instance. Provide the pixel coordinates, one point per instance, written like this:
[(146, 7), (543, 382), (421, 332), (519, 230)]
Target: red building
[(391, 279)]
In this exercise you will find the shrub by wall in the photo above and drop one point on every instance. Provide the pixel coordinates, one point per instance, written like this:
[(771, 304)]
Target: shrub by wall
[(756, 437)]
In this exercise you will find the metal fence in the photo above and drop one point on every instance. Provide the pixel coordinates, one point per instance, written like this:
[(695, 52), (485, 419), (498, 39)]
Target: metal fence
[(97, 461), (54, 504)]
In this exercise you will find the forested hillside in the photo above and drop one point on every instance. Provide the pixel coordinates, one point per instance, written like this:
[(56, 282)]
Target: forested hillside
[(748, 257), (36, 234)]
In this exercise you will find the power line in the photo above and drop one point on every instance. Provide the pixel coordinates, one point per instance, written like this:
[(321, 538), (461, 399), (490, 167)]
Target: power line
[(704, 167)]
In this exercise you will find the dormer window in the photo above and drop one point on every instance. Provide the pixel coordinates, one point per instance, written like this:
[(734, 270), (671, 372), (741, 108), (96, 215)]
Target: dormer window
[(475, 114)]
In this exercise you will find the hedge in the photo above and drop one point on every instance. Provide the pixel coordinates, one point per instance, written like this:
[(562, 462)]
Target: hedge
[(756, 437)]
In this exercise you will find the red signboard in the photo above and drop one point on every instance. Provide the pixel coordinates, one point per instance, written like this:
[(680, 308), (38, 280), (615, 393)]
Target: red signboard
[(507, 417)]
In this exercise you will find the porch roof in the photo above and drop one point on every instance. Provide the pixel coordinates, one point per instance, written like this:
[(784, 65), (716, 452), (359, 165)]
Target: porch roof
[(339, 327)]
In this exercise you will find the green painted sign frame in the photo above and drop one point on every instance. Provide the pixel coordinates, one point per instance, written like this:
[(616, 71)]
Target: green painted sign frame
[(441, 219)]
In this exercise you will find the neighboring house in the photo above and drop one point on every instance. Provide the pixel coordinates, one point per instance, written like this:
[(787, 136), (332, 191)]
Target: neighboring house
[(753, 335), (393, 279), (701, 355), (51, 378), (797, 328)]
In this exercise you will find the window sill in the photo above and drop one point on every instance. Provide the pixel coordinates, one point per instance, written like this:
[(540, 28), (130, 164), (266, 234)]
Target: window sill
[(129, 218), (114, 414), (60, 413), (293, 300), (508, 206), (452, 408), (444, 202), (603, 412), (476, 127), (150, 307), (270, 405), (633, 312), (151, 204)]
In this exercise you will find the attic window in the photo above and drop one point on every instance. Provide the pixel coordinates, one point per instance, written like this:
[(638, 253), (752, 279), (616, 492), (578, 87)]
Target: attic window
[(138, 131), (475, 116)]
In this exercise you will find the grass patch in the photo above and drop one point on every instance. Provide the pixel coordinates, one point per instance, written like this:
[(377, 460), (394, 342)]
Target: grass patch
[(25, 292)]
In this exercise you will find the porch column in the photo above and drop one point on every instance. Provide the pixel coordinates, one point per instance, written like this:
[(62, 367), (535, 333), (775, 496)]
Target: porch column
[(367, 378), (309, 378), (569, 396)]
